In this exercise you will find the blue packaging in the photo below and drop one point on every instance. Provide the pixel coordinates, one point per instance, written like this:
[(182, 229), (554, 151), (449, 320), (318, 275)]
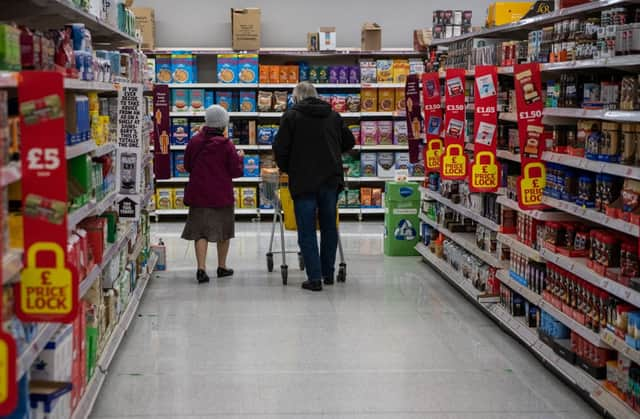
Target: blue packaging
[(227, 68), (303, 71), (177, 158), (182, 67), (208, 98), (265, 135), (247, 102), (248, 68), (179, 131), (194, 128), (225, 99), (251, 166)]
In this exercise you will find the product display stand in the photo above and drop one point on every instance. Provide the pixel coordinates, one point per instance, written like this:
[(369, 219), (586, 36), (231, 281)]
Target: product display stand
[(572, 303)]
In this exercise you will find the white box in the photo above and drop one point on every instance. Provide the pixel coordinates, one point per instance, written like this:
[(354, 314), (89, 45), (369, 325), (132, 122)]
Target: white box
[(386, 164), (54, 362), (327, 38)]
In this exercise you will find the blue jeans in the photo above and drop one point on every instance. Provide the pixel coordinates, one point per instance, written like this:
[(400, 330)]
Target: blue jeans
[(323, 204)]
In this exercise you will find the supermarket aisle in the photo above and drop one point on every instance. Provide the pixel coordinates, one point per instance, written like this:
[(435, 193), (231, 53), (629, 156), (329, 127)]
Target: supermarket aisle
[(396, 342)]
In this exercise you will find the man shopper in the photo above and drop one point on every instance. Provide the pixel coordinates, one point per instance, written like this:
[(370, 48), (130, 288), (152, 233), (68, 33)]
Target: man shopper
[(309, 147)]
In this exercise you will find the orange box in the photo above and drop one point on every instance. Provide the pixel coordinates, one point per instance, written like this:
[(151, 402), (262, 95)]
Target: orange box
[(283, 74), (376, 197), (365, 196), (293, 73), (264, 73), (386, 100), (274, 74), (369, 100)]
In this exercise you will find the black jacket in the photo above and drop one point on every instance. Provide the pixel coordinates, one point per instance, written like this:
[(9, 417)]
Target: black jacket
[(309, 146)]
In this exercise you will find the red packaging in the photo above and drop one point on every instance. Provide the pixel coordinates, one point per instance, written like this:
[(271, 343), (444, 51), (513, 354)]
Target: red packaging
[(339, 103), (96, 230)]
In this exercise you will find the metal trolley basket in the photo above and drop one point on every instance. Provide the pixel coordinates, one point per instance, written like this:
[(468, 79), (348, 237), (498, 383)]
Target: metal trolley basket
[(274, 190)]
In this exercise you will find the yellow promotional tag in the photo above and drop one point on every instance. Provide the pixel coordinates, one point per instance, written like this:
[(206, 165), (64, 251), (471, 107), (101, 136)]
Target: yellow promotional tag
[(531, 185), (433, 154), (46, 291), (454, 163), (484, 171)]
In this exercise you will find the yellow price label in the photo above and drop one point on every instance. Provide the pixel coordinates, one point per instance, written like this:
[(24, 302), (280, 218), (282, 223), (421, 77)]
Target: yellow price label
[(484, 171), (433, 154), (532, 184), (454, 162)]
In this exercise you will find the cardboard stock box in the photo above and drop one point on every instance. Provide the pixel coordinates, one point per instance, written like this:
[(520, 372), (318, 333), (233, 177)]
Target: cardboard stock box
[(245, 29), (371, 37), (504, 12), (146, 22)]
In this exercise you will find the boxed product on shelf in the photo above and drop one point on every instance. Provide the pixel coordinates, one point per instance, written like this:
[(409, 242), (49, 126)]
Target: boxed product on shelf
[(249, 197), (368, 164), (248, 101), (77, 121), (371, 37), (368, 71), (177, 163), (400, 133), (194, 127), (327, 38), (196, 100), (178, 198), (209, 98), (370, 135), (386, 164), (402, 161), (54, 362), (386, 100), (225, 99), (384, 71), (227, 68), (353, 102), (251, 165), (353, 198), (400, 70), (183, 67), (376, 197), (400, 104), (266, 134), (10, 59), (179, 131), (265, 101), (248, 68), (503, 12), (385, 132), (369, 100), (355, 130), (164, 198), (365, 197), (342, 199), (180, 100)]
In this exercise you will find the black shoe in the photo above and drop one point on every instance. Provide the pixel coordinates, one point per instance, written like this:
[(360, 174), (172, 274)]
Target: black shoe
[(202, 276), (312, 285), (329, 280), (222, 272)]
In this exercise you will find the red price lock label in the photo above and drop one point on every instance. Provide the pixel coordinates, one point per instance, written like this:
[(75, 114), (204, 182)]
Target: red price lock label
[(47, 292), (531, 185), (433, 153), (485, 173), (454, 163)]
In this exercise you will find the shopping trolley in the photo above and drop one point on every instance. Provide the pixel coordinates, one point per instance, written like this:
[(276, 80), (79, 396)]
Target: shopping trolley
[(274, 191)]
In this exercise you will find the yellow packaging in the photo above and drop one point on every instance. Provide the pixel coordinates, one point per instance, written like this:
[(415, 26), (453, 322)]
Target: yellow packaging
[(369, 100), (504, 12), (249, 197), (400, 71), (104, 123), (178, 198), (16, 238), (236, 197), (164, 198), (400, 100), (386, 100)]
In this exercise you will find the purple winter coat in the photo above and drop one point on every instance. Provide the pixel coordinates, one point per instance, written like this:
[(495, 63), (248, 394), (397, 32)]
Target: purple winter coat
[(212, 163)]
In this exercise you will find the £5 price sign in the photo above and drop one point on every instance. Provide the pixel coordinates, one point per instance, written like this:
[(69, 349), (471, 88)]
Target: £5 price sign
[(48, 289)]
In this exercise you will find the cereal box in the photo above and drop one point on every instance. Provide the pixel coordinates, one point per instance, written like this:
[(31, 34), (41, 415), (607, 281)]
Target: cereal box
[(339, 102), (369, 100), (416, 66), (400, 100), (177, 158), (179, 131), (208, 98), (402, 161), (283, 74), (225, 99), (194, 127), (400, 134), (323, 74), (386, 100), (384, 71), (265, 135), (293, 73), (368, 71), (248, 68), (314, 74), (196, 100), (227, 68), (342, 199), (355, 130), (180, 100), (368, 164), (333, 74), (248, 101), (274, 74), (386, 164), (178, 199), (385, 132), (354, 74), (183, 67), (248, 197), (164, 198), (264, 73), (343, 74), (369, 132), (163, 68), (353, 198), (365, 197), (353, 102), (251, 166), (236, 197), (400, 71), (376, 198), (303, 71)]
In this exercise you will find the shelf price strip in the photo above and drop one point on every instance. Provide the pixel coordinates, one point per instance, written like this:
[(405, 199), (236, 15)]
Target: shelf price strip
[(432, 102), (485, 173), (532, 180), (454, 161)]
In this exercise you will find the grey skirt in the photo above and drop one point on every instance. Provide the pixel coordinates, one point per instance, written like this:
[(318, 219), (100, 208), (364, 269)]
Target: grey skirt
[(212, 224)]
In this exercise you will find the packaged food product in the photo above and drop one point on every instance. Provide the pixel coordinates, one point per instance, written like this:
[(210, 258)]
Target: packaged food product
[(284, 74), (386, 100), (353, 198), (178, 198), (368, 71), (236, 197), (303, 71), (400, 71), (339, 102), (369, 132), (265, 73), (194, 128), (164, 198), (183, 67), (365, 197), (385, 132), (280, 101), (353, 102), (368, 164), (314, 74), (265, 135), (248, 68), (386, 164), (179, 131), (354, 74), (342, 199), (369, 100), (180, 100), (163, 68), (400, 100), (343, 74), (402, 161), (227, 68), (630, 195), (196, 100), (247, 101), (249, 197), (323, 74), (400, 134), (251, 165), (274, 74), (265, 101), (384, 71), (629, 144), (293, 74), (333, 74), (225, 99), (177, 158), (355, 130), (208, 98), (376, 197)]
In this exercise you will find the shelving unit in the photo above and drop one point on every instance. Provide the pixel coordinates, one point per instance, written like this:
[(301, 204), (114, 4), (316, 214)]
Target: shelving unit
[(460, 209)]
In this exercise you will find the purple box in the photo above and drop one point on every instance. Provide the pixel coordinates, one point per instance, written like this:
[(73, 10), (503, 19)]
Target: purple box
[(333, 74), (354, 74), (343, 74)]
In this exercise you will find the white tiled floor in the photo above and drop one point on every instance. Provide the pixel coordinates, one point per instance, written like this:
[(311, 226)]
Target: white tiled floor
[(396, 341)]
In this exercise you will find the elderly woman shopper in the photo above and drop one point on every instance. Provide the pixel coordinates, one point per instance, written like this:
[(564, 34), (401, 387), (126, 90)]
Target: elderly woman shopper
[(309, 147), (212, 162)]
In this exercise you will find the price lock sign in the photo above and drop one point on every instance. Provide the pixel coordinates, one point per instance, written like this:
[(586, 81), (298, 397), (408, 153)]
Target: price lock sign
[(433, 153), (454, 163), (48, 289), (529, 104), (485, 173)]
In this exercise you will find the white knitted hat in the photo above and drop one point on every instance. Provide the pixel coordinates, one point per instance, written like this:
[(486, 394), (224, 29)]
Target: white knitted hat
[(216, 117)]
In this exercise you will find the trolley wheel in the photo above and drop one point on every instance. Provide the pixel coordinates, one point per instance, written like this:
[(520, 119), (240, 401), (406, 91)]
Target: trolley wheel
[(270, 262), (342, 273), (301, 261), (284, 270)]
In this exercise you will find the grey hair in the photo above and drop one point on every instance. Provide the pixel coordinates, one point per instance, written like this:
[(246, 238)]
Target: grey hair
[(304, 90)]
